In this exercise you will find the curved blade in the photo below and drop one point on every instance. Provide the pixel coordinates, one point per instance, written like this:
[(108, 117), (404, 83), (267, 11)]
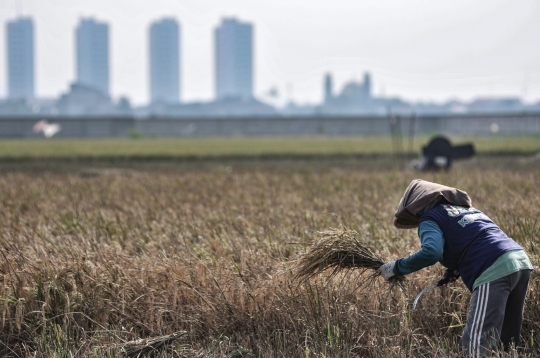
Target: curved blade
[(420, 295)]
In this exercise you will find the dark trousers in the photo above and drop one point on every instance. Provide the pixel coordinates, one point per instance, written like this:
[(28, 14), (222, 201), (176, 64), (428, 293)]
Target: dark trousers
[(496, 314)]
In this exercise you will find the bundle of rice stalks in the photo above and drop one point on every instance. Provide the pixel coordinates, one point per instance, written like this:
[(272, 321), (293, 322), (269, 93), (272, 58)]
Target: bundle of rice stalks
[(340, 250), (150, 346)]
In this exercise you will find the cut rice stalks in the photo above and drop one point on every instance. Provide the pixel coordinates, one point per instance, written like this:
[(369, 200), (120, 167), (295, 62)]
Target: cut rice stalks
[(340, 251)]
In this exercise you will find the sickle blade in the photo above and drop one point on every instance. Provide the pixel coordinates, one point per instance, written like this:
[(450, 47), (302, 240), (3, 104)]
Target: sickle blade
[(420, 295)]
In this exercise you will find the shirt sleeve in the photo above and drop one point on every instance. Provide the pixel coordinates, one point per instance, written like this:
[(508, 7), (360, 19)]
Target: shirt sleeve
[(432, 246)]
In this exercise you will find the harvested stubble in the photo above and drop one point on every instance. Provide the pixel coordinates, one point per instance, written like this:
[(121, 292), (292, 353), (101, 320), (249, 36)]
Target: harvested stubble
[(340, 250)]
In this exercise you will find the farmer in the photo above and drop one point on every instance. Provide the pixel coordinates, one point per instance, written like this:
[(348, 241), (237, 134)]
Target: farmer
[(468, 243)]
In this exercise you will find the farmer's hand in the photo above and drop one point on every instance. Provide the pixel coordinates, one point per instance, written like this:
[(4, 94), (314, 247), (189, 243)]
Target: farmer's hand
[(449, 276), (387, 270)]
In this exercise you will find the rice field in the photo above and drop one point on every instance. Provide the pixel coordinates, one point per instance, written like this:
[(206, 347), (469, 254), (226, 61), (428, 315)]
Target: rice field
[(93, 256), (263, 147)]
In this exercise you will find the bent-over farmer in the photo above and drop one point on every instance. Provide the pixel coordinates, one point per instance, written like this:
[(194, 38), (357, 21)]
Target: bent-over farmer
[(468, 243)]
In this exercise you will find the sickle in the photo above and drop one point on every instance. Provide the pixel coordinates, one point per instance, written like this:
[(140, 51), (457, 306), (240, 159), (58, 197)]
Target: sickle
[(442, 281), (420, 295)]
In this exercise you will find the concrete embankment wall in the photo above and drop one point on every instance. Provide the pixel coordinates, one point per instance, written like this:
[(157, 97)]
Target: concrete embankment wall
[(459, 125)]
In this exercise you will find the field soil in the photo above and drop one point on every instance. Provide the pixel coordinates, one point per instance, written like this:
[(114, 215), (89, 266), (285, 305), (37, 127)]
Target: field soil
[(94, 254)]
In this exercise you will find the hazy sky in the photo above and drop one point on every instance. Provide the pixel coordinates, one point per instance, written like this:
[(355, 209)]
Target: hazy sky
[(419, 50)]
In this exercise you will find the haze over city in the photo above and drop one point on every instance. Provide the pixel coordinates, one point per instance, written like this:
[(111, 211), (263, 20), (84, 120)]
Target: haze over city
[(416, 50)]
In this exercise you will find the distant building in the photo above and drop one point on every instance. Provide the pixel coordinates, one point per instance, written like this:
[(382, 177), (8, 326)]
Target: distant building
[(165, 61), (93, 54), (227, 107), (495, 105), (15, 107), (234, 59), (20, 58), (82, 100), (355, 98)]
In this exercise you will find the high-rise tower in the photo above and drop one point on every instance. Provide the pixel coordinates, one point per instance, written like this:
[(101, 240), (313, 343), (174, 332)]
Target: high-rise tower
[(20, 58), (93, 54), (165, 61), (234, 59)]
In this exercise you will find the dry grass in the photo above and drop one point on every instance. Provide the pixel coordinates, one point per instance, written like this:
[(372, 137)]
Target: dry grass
[(96, 261)]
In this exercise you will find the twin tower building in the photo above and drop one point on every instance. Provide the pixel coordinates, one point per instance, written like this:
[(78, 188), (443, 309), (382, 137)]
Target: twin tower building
[(233, 41)]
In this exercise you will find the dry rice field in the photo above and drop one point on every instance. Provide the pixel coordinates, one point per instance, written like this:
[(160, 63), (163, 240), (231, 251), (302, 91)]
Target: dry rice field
[(93, 257)]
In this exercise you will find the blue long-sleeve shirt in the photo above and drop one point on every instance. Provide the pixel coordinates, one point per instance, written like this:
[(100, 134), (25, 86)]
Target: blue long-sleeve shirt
[(431, 252)]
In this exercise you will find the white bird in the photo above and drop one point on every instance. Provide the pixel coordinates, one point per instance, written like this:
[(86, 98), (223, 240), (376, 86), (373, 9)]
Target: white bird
[(48, 129)]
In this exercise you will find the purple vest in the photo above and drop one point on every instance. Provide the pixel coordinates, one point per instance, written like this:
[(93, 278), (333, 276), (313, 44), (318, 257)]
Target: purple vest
[(472, 242)]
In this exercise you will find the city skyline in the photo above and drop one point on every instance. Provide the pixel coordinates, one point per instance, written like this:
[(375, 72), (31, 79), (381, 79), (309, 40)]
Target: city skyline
[(467, 55)]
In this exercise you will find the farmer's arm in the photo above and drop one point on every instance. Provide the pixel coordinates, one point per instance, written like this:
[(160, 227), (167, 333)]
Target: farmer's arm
[(432, 244)]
